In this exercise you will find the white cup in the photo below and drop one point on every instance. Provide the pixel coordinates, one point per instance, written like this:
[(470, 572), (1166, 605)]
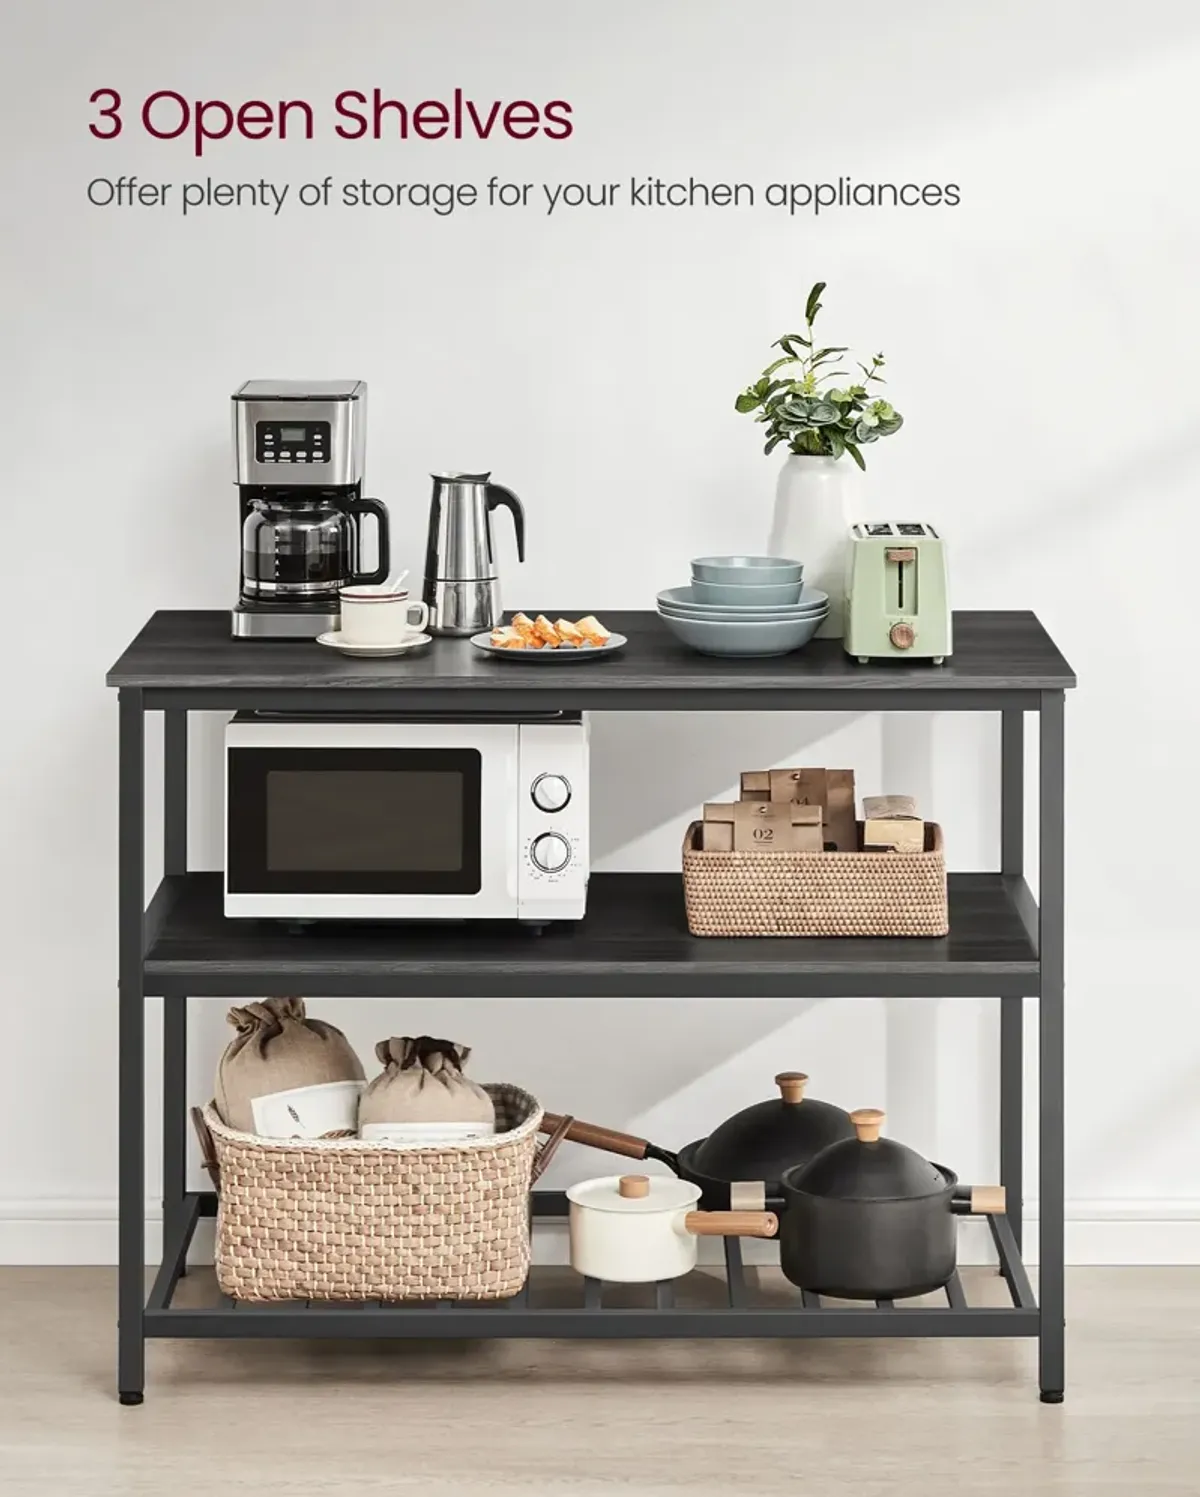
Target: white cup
[(378, 616)]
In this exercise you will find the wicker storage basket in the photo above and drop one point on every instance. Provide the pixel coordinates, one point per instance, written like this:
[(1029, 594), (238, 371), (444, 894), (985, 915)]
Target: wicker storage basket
[(346, 1219), (815, 893)]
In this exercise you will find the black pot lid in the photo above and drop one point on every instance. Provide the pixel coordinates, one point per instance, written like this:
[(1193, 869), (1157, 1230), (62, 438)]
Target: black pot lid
[(866, 1167), (762, 1141)]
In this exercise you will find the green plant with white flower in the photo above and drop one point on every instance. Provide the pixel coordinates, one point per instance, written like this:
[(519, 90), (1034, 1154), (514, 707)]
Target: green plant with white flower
[(804, 409)]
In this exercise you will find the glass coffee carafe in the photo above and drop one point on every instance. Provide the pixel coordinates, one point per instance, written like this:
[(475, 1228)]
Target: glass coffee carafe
[(302, 545)]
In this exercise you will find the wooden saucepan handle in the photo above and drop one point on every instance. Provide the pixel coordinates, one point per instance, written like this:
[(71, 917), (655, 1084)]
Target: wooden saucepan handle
[(731, 1223), (988, 1200), (979, 1200), (598, 1138)]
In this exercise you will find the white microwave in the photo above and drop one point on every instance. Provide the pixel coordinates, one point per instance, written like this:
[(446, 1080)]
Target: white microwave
[(332, 818)]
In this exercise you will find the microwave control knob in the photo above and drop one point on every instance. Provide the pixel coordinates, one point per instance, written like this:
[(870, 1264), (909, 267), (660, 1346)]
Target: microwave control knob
[(902, 636), (551, 792), (550, 852)]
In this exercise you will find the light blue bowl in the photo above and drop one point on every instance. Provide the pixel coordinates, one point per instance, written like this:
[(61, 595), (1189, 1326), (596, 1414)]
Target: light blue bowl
[(747, 571), (684, 600), (716, 637), (773, 595)]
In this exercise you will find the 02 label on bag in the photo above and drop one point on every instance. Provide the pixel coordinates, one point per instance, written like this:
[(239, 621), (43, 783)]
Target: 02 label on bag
[(308, 1111)]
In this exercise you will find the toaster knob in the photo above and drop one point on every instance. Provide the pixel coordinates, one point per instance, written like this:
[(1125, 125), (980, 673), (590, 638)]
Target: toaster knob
[(551, 852), (551, 792), (902, 636)]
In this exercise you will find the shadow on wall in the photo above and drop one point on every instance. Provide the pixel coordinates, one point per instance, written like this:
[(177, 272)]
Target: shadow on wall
[(650, 770)]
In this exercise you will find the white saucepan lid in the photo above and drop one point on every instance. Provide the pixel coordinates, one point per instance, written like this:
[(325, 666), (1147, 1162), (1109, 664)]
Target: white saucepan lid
[(636, 1194)]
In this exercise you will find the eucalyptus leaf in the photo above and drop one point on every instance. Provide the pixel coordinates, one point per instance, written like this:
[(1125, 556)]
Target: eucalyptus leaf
[(823, 413), (856, 455)]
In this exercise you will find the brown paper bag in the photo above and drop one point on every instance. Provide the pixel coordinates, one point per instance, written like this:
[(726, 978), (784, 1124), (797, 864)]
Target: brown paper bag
[(891, 824), (284, 1075), (831, 789), (422, 1096), (745, 826)]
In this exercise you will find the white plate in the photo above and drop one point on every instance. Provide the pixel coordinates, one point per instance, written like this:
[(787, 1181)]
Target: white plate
[(563, 655), (335, 642)]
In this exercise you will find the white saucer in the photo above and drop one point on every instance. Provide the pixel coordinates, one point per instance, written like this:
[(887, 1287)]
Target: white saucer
[(335, 642)]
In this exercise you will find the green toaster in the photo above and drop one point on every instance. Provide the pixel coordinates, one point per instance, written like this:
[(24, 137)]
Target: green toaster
[(897, 593)]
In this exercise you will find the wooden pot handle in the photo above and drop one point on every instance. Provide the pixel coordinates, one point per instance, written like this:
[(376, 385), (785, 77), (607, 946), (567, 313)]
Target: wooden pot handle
[(548, 1150), (208, 1152), (596, 1137), (988, 1200), (731, 1223)]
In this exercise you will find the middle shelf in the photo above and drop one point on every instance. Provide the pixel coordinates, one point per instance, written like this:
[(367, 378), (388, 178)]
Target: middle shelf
[(634, 943)]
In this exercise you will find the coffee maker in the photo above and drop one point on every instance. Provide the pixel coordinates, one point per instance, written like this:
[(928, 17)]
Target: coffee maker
[(298, 448)]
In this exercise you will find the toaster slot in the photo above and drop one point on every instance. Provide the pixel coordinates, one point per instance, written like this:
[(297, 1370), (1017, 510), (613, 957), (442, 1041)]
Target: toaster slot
[(901, 579)]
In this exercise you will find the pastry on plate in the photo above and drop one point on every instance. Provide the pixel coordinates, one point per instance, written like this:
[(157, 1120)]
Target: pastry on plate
[(568, 634), (507, 638), (593, 630), (523, 624), (546, 632)]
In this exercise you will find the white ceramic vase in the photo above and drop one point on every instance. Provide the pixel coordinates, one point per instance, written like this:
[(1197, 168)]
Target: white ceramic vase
[(816, 501)]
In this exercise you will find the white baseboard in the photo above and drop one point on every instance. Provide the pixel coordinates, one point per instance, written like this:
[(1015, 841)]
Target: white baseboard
[(1099, 1233)]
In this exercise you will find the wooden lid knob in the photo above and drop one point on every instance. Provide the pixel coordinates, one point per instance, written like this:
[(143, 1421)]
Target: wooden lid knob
[(867, 1123), (633, 1187), (903, 636), (791, 1085)]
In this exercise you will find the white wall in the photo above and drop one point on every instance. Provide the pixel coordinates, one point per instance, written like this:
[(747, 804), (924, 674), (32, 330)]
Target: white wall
[(1041, 339)]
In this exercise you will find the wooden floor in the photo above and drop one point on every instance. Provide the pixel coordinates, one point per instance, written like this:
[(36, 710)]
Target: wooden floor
[(847, 1419)]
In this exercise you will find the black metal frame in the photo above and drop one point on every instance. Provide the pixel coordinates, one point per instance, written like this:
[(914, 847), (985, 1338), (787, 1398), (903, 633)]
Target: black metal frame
[(142, 1316)]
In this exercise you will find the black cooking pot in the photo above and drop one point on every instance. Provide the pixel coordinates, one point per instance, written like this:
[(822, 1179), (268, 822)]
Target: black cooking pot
[(868, 1218), (755, 1145)]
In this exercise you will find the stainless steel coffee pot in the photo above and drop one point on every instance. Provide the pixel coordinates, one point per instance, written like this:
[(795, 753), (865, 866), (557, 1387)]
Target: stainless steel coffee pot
[(462, 586)]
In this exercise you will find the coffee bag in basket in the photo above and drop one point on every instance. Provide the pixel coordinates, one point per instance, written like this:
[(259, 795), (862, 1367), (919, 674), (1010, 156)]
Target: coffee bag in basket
[(284, 1075), (422, 1096)]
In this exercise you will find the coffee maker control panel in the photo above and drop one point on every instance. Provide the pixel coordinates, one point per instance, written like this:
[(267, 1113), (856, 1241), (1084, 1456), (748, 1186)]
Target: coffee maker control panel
[(291, 441)]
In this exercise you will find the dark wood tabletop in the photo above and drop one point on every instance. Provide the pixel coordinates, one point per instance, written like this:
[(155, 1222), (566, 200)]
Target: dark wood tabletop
[(192, 650)]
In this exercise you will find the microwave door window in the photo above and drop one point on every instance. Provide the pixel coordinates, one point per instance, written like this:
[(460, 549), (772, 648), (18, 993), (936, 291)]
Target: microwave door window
[(355, 821)]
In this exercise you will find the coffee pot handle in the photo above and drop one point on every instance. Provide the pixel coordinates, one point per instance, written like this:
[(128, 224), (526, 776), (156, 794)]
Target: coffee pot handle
[(358, 507), (498, 495)]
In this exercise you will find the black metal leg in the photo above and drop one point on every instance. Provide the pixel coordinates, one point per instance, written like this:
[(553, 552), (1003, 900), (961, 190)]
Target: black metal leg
[(131, 1346), (1012, 1010), (1012, 1103), (174, 1058), (1051, 1185)]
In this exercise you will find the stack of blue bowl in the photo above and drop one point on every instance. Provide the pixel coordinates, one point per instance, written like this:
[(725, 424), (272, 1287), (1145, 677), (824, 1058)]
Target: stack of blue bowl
[(744, 605)]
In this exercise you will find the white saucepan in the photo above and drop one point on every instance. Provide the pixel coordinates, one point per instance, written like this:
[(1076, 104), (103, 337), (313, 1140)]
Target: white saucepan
[(638, 1229)]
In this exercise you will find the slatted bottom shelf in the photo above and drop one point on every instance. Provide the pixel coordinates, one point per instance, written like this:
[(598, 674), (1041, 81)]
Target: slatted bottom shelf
[(557, 1304)]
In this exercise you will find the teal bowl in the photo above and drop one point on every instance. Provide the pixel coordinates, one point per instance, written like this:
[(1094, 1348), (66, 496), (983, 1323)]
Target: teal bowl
[(747, 571), (718, 637)]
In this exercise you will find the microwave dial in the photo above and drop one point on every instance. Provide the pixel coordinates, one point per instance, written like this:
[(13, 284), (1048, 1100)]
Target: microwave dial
[(551, 852), (551, 792)]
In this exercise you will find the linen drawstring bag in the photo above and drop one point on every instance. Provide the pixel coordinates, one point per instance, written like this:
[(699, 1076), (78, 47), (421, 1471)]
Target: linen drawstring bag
[(421, 1095), (284, 1075)]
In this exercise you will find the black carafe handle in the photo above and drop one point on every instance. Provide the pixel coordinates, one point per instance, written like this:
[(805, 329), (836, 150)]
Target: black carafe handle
[(497, 496), (357, 507)]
